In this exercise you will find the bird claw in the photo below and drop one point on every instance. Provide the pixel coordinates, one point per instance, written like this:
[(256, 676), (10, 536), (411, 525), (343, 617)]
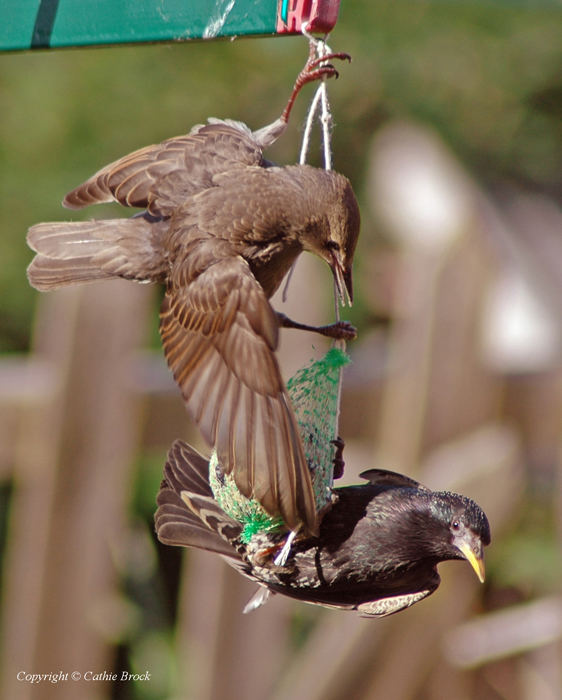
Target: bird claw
[(318, 68), (341, 330), (314, 69), (338, 460), (321, 62)]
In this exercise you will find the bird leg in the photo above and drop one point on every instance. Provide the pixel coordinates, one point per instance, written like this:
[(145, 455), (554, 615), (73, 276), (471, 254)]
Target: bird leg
[(341, 330), (339, 463), (314, 69)]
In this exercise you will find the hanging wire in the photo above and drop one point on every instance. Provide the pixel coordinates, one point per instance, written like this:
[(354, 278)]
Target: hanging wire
[(320, 102)]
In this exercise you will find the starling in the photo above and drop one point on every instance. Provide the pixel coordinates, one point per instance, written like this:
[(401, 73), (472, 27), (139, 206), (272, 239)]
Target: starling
[(220, 229), (377, 548)]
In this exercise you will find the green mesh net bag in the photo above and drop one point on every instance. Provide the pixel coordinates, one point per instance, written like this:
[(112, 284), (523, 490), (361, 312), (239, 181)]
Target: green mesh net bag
[(314, 394)]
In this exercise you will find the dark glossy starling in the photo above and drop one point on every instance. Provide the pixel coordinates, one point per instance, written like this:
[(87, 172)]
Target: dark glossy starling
[(220, 229), (377, 548)]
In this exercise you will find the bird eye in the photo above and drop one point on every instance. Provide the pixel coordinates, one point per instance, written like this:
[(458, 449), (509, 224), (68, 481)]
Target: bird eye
[(455, 525), (332, 245)]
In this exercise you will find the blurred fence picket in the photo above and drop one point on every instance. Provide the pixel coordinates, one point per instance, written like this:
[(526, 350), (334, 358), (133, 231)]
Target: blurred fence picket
[(72, 476)]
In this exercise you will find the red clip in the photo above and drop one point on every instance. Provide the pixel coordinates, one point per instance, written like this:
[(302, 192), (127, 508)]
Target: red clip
[(316, 16)]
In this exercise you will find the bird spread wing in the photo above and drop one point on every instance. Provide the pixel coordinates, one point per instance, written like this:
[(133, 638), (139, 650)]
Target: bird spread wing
[(185, 476), (220, 334), (160, 177)]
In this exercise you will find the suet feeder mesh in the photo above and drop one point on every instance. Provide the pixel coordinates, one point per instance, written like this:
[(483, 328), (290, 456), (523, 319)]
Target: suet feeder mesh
[(314, 394)]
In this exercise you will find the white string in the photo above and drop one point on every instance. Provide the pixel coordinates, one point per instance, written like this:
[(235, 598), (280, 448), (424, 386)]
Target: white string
[(308, 125), (321, 100), (326, 120), (320, 96), (286, 285), (281, 558)]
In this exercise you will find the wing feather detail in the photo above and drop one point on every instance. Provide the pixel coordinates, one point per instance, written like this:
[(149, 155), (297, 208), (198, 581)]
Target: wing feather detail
[(220, 334), (160, 177)]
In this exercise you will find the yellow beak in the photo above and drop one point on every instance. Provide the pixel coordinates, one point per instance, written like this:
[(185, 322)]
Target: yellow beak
[(473, 555)]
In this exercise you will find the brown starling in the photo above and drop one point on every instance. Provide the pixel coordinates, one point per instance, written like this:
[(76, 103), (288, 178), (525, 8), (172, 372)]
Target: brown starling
[(221, 227), (376, 551)]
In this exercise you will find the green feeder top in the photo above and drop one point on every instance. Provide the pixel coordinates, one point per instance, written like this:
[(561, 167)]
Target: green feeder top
[(31, 24)]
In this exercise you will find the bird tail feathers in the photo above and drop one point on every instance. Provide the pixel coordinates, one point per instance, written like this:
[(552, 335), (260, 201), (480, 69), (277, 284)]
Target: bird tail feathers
[(187, 514), (84, 251)]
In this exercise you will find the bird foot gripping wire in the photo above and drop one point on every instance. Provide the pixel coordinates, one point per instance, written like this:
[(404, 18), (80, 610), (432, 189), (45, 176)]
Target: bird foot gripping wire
[(316, 68), (319, 54), (340, 330), (339, 463)]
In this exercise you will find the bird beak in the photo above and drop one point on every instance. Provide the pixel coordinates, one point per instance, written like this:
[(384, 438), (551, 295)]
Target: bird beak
[(472, 552), (347, 278), (342, 278)]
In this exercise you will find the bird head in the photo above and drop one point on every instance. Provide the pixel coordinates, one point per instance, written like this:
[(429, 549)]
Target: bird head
[(467, 530), (333, 236)]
